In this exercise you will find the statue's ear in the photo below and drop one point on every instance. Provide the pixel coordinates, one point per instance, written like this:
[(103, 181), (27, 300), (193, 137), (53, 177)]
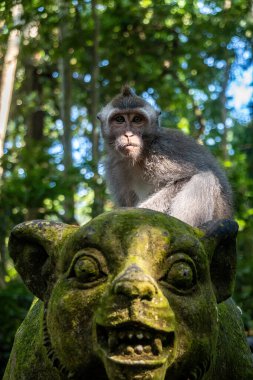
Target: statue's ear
[(220, 243), (34, 247)]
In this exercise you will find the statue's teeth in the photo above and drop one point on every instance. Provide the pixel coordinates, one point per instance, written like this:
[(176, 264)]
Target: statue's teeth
[(147, 335), (147, 349), (130, 335), (138, 349), (158, 346), (139, 335), (129, 350)]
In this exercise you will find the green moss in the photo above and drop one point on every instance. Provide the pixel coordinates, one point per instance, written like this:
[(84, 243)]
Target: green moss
[(28, 350)]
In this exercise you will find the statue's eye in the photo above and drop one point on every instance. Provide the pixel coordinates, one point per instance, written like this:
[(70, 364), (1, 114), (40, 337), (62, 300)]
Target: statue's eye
[(137, 119), (86, 269), (181, 276), (119, 119)]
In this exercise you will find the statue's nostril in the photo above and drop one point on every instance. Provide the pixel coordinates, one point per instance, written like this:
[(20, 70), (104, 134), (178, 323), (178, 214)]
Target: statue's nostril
[(134, 283), (135, 289)]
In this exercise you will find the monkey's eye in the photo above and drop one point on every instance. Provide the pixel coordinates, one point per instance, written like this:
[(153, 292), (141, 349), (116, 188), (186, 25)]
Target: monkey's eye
[(137, 119), (119, 119), (181, 276)]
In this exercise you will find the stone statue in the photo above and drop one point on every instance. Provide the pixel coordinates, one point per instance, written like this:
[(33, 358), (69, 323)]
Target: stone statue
[(132, 295)]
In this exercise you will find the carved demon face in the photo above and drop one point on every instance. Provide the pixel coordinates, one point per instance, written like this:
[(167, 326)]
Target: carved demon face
[(131, 295)]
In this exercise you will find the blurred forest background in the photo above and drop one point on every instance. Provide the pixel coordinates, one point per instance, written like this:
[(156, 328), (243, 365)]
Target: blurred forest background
[(61, 60)]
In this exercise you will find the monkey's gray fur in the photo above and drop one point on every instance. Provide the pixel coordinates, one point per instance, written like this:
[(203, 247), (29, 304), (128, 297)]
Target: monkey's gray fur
[(170, 172)]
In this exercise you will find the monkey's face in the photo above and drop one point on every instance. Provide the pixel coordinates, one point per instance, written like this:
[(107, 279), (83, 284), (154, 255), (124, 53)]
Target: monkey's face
[(125, 120), (126, 130)]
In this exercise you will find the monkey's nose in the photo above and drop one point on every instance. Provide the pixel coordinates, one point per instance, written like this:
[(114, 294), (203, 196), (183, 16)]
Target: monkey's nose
[(129, 134), (134, 283)]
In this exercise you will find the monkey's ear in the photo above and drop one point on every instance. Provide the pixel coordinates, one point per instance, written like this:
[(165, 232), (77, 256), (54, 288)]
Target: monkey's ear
[(34, 246), (158, 113), (220, 242), (99, 116)]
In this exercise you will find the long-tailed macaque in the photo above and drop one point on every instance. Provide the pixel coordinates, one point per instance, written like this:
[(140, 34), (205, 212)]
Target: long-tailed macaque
[(161, 169)]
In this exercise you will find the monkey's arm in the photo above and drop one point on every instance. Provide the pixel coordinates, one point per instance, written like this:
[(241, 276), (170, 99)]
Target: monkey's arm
[(199, 200), (160, 201)]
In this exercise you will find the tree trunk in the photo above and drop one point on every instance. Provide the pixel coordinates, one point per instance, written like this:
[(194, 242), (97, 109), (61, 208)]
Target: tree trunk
[(65, 109), (8, 75), (35, 127), (6, 90), (98, 186)]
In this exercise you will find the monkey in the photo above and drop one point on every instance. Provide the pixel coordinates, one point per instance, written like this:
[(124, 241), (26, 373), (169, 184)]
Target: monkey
[(161, 169)]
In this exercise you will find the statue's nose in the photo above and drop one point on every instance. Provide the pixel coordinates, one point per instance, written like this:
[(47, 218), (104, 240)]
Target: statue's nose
[(134, 283)]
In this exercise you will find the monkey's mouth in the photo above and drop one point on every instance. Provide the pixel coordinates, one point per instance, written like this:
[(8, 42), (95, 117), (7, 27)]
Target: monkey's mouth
[(130, 147), (135, 344)]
